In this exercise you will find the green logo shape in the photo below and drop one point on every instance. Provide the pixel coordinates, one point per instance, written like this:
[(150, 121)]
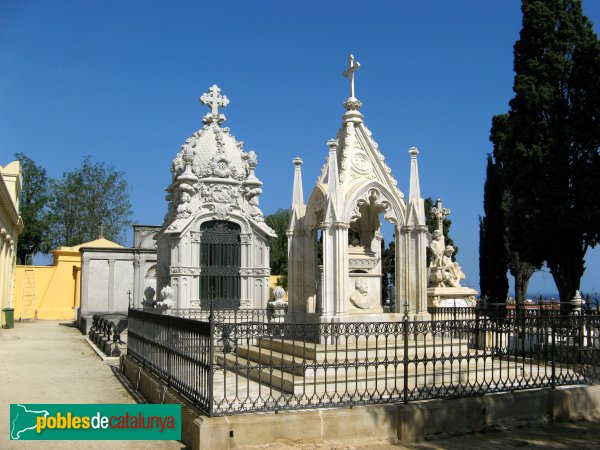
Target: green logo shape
[(40, 422)]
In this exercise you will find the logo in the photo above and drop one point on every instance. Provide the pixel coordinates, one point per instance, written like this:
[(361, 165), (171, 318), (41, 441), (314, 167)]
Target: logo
[(95, 422)]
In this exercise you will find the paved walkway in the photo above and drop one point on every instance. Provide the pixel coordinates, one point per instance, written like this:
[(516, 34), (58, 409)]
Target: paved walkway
[(50, 362)]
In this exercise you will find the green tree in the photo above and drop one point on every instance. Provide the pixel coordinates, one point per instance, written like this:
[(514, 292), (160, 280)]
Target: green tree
[(520, 268), (278, 253), (549, 141), (34, 210), (493, 261), (93, 197)]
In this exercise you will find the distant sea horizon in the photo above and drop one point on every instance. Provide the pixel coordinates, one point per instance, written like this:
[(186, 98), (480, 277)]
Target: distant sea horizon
[(554, 295)]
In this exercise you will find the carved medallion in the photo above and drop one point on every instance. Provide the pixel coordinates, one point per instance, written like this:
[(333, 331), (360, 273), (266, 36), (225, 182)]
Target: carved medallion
[(361, 163)]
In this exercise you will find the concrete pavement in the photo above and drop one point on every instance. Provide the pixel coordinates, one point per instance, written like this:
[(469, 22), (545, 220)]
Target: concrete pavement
[(50, 362)]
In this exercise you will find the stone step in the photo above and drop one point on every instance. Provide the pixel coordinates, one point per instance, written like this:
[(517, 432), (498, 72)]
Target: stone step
[(322, 352), (297, 364), (358, 378)]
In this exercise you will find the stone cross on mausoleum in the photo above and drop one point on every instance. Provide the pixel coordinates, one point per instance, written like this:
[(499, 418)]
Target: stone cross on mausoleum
[(352, 104), (349, 72), (440, 214), (213, 99)]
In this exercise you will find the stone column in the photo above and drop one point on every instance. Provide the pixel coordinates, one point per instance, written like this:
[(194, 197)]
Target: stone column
[(420, 272), (402, 269), (12, 274), (340, 230), (85, 273), (308, 272), (111, 284), (296, 255), (138, 295), (246, 261), (328, 287), (3, 295)]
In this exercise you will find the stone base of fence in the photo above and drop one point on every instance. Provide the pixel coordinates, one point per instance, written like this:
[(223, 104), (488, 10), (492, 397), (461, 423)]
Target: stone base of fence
[(413, 422), (154, 390), (432, 419)]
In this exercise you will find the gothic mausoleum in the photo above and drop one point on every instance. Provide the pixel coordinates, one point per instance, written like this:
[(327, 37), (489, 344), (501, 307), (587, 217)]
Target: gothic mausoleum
[(334, 240), (214, 243)]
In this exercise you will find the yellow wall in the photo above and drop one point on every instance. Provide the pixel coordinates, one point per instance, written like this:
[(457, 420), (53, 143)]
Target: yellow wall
[(57, 287)]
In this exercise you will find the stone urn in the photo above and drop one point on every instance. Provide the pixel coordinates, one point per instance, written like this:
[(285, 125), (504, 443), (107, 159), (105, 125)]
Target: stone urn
[(278, 306), (167, 301)]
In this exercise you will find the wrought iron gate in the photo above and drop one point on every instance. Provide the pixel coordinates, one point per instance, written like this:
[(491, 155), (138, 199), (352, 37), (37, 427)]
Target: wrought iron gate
[(220, 255)]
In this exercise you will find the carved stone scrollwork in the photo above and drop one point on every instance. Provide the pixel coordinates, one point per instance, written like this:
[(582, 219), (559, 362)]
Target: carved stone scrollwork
[(245, 238), (221, 211), (258, 271), (362, 263), (245, 303), (184, 271)]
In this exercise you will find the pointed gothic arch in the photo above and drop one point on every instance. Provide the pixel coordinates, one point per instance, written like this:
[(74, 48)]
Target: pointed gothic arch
[(377, 194)]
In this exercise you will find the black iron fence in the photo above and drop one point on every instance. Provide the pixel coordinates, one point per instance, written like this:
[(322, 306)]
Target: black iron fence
[(107, 332), (240, 362)]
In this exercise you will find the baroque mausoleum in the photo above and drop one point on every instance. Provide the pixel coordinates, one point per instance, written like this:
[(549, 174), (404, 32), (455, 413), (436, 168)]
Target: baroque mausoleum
[(214, 243)]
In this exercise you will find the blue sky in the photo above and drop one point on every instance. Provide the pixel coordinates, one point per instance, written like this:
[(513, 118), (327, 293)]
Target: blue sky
[(120, 80)]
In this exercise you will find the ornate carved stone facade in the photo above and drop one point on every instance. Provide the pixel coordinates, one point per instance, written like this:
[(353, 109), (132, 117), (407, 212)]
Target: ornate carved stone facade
[(213, 180)]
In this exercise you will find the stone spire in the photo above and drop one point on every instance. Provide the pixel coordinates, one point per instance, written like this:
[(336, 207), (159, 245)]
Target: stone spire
[(213, 99), (331, 213), (414, 195), (298, 195), (415, 187)]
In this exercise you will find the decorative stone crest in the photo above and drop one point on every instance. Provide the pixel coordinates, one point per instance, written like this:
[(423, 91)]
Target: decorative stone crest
[(221, 212)]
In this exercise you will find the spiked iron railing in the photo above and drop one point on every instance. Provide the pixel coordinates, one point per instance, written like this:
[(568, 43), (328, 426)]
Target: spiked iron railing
[(105, 332), (239, 362)]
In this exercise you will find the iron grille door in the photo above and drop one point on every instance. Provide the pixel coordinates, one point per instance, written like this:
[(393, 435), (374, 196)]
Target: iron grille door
[(220, 255)]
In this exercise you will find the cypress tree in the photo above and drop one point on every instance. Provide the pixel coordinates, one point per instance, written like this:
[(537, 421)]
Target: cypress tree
[(547, 145), (493, 264)]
